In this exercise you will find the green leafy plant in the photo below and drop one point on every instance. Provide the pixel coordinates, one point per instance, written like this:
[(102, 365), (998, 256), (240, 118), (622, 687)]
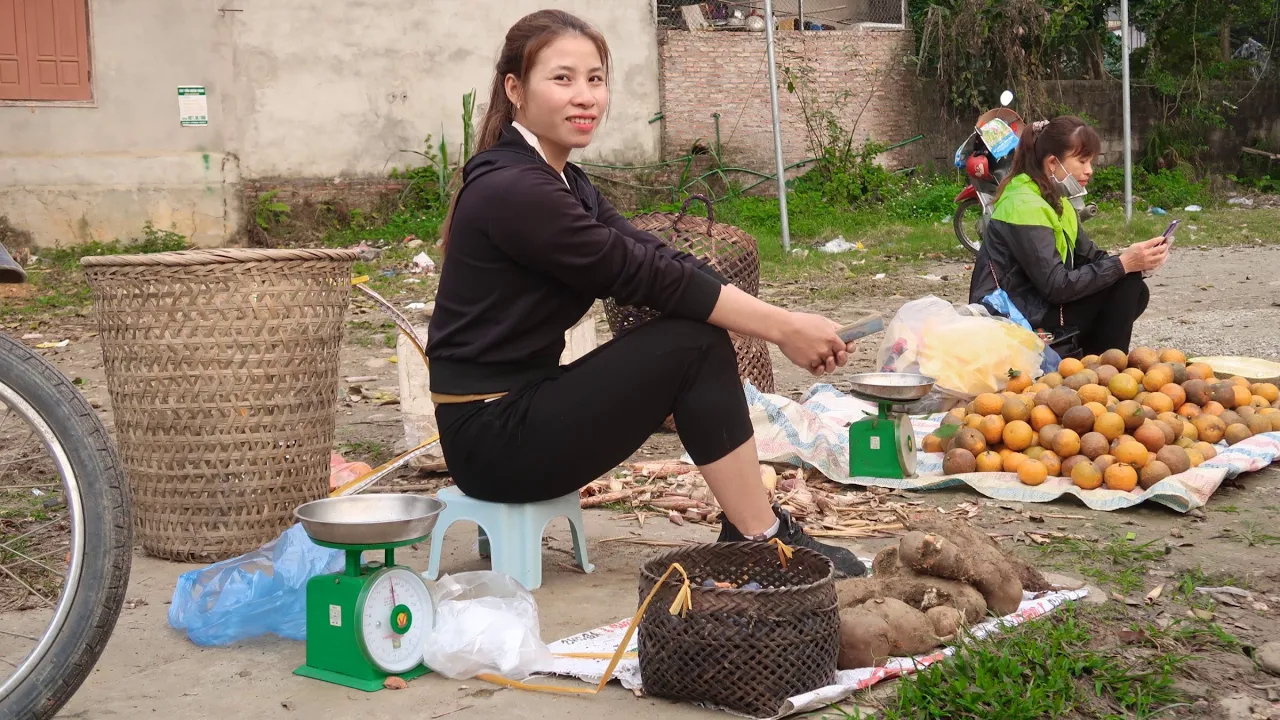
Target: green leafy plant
[(269, 212)]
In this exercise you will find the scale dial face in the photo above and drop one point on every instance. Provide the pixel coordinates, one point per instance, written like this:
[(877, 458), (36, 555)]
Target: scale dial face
[(395, 616), (906, 446)]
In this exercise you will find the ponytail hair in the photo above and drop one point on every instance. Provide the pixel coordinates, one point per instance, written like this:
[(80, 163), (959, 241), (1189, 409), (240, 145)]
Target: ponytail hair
[(524, 42), (1063, 136)]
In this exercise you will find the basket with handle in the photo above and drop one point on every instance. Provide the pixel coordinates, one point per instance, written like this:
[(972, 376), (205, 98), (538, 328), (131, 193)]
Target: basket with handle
[(732, 252), (222, 369)]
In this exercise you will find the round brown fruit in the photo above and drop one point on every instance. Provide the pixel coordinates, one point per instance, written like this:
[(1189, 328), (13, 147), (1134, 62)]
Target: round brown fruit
[(1267, 391), (1184, 442), (1123, 387), (1223, 393), (1171, 356), (1115, 358), (1174, 458), (1199, 371), (1213, 408), (1154, 472), (1189, 410), (1091, 361), (1105, 374), (1159, 402), (1237, 433), (1259, 402), (1042, 417), (1110, 425), (1048, 433), (1275, 421), (1157, 377), (1015, 409), (992, 429), (1246, 411), (1121, 477), (1197, 391), (1093, 394), (1069, 464), (1069, 367), (1149, 413), (1079, 380), (1042, 398), (1017, 435), (1207, 451), (1052, 379), (1196, 458), (1151, 437), (1210, 428), (1052, 462), (971, 440), (1032, 472), (1131, 412), (1063, 399), (932, 444), (1066, 443), (1105, 461), (1143, 358), (1086, 475), (1173, 420), (1141, 398), (1013, 460), (1132, 452), (1231, 417), (1237, 380), (1167, 430), (988, 404), (1080, 419), (1094, 445), (1179, 373), (990, 461), (958, 462), (1175, 393), (1190, 431)]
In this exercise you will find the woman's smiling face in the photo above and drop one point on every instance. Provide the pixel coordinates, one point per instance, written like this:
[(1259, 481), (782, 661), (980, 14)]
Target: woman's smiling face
[(563, 96)]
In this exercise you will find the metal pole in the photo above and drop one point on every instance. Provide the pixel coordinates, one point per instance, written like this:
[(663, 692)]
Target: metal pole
[(1128, 123), (777, 127), (800, 12)]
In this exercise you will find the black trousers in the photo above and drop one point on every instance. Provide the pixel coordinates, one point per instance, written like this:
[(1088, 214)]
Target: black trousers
[(1105, 319), (554, 436)]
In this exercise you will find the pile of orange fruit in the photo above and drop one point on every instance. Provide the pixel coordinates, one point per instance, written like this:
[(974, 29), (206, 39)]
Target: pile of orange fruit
[(1115, 420)]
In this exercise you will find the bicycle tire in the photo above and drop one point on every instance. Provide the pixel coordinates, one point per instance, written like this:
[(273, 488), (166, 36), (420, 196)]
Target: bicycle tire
[(958, 224), (99, 590)]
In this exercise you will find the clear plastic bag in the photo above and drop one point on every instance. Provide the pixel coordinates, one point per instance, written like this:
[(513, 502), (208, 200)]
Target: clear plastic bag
[(485, 622), (264, 591), (968, 354)]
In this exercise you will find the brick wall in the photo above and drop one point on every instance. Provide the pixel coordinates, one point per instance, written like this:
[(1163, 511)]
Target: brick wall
[(723, 72)]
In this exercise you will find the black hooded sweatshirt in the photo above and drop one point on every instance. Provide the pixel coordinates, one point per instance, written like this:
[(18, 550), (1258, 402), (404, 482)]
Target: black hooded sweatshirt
[(526, 257)]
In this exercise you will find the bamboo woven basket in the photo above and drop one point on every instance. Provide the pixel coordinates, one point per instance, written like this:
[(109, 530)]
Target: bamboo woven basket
[(733, 253), (222, 368), (746, 651)]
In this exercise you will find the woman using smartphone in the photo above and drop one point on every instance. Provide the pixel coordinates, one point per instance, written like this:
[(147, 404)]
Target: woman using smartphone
[(529, 244)]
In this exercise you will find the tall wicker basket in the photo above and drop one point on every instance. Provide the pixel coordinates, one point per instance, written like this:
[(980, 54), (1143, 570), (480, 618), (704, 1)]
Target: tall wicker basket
[(222, 367), (732, 252)]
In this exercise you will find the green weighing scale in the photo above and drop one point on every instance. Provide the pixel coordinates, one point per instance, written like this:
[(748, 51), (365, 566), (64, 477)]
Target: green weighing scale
[(372, 620), (884, 445)]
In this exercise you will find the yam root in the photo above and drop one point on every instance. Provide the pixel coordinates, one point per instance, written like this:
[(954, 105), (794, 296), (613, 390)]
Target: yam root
[(864, 640), (946, 621), (978, 565), (910, 631), (885, 562), (919, 591), (964, 534)]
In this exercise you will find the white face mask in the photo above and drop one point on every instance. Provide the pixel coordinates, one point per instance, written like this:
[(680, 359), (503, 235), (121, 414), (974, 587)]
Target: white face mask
[(1070, 187)]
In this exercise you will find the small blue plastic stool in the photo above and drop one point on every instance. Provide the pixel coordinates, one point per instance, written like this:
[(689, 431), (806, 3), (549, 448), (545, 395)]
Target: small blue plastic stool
[(511, 534)]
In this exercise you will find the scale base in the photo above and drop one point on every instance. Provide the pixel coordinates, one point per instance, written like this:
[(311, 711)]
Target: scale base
[(354, 683)]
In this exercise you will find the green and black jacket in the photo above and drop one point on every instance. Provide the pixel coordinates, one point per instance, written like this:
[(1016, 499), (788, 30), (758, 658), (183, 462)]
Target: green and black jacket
[(1043, 260)]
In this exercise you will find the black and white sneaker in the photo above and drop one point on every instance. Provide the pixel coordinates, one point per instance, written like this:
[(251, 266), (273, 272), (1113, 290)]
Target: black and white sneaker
[(790, 532)]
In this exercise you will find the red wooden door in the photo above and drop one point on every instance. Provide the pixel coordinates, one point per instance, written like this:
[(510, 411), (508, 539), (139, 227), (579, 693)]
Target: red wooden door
[(44, 50), (15, 81)]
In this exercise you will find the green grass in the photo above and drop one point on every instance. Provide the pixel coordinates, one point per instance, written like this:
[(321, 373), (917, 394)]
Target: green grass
[(367, 451), (1252, 535), (1050, 667), (1117, 563)]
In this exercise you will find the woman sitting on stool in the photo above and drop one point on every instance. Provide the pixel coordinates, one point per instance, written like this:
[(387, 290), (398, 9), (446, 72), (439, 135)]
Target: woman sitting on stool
[(530, 244), (1035, 249)]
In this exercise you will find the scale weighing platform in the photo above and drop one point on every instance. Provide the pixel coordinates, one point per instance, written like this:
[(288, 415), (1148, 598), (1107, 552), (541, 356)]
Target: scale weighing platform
[(372, 620), (884, 445)]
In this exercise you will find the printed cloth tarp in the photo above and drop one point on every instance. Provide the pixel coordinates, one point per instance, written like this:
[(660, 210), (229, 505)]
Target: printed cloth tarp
[(603, 641), (814, 433)]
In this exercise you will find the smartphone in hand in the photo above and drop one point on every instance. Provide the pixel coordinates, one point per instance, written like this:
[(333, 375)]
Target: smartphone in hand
[(1168, 232)]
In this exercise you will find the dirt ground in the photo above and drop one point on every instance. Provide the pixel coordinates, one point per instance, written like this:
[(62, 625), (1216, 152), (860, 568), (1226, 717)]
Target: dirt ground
[(1218, 301)]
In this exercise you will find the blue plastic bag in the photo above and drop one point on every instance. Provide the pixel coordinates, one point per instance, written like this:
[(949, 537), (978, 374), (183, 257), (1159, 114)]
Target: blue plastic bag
[(264, 591)]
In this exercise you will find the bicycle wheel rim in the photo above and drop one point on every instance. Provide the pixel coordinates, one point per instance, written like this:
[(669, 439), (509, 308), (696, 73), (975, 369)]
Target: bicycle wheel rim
[(75, 512)]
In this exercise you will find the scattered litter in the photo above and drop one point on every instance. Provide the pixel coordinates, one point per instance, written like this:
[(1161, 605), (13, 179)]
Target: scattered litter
[(32, 336), (50, 345), (1241, 201), (367, 253), (1159, 211), (361, 378), (1194, 208), (412, 241), (413, 281), (1225, 590), (947, 220), (1202, 614), (395, 682), (422, 263), (934, 278), (416, 306), (800, 252), (1155, 594), (840, 245), (134, 603), (37, 492), (880, 276), (342, 472)]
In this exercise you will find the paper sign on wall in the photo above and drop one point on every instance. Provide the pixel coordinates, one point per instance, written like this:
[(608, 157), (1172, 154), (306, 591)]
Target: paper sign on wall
[(193, 105)]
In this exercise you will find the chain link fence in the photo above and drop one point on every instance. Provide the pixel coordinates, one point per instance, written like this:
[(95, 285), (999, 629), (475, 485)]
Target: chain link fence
[(748, 15)]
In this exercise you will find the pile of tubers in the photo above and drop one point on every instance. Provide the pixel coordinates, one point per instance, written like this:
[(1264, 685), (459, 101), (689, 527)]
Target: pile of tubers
[(941, 577)]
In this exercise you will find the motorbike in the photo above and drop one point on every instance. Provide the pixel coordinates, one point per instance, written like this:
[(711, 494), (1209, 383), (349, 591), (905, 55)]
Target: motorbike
[(986, 157)]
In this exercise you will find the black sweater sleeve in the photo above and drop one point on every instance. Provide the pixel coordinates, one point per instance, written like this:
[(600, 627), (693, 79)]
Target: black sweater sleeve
[(614, 219), (544, 227)]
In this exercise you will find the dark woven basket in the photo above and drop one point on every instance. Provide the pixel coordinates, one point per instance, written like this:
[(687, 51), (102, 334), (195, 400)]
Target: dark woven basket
[(745, 651), (732, 252)]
